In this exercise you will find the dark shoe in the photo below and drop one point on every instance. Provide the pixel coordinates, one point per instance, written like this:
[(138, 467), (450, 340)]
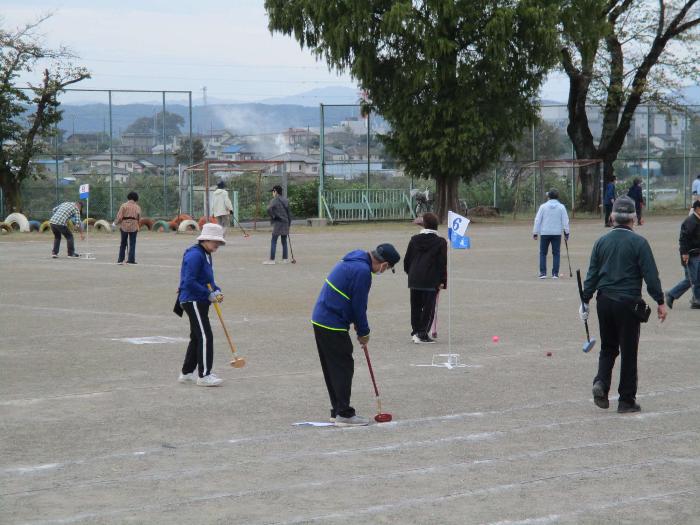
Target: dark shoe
[(131, 262), (74, 255), (425, 338), (669, 300), (625, 407), (54, 256), (694, 305), (600, 396)]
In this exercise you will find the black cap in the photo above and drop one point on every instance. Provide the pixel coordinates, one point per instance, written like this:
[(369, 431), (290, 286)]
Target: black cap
[(220, 185), (386, 253)]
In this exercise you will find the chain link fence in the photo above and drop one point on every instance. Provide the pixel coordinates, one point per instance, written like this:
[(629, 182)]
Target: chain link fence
[(139, 147)]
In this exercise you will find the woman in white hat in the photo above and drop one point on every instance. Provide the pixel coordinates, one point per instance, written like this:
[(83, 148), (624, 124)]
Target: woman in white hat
[(196, 274)]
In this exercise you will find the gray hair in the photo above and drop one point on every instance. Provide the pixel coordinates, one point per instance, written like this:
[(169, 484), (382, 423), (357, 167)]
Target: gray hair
[(623, 218)]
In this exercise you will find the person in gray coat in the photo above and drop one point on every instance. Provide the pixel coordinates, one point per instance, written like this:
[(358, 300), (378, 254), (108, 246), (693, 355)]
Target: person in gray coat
[(278, 209)]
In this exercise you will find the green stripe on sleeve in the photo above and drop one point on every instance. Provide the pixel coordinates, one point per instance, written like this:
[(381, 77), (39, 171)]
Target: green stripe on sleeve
[(341, 293)]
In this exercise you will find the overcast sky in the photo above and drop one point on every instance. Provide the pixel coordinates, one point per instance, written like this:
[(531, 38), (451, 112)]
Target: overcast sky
[(176, 45)]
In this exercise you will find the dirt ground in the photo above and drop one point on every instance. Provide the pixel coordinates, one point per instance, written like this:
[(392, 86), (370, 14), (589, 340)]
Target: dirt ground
[(95, 429)]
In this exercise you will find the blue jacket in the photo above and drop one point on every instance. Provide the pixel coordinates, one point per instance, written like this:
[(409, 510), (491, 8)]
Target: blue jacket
[(196, 272), (343, 298), (609, 194)]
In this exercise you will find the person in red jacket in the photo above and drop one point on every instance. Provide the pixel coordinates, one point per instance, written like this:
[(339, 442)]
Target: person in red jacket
[(425, 263)]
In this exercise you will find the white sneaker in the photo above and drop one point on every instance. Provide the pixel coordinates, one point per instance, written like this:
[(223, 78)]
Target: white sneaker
[(285, 261), (210, 380), (268, 262), (416, 339), (354, 421), (555, 276), (186, 378)]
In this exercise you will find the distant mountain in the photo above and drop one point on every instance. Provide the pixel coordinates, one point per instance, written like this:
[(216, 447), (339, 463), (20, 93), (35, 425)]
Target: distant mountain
[(326, 95), (241, 118)]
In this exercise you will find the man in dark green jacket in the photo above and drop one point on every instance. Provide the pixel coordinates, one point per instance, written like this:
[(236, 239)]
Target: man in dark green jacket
[(619, 262)]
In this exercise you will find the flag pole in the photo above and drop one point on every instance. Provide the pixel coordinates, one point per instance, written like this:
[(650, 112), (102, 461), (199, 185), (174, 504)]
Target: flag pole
[(449, 294)]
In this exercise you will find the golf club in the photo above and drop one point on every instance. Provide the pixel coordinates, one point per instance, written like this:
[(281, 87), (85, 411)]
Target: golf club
[(590, 343), (291, 250), (380, 417), (690, 275), (434, 324), (566, 243), (236, 362), (245, 233)]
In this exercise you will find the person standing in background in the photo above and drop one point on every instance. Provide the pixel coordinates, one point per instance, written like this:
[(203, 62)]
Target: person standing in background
[(608, 200), (127, 219), (635, 193), (425, 263), (550, 222), (281, 219), (221, 206)]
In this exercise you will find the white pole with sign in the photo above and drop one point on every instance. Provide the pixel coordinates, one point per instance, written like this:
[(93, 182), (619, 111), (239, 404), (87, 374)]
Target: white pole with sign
[(85, 194)]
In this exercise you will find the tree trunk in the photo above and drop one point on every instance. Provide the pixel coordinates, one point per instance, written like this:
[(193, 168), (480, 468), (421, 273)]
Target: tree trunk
[(11, 194), (590, 197), (446, 194)]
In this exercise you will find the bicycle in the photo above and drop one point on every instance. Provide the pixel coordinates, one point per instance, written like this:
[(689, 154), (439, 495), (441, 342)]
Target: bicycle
[(424, 203)]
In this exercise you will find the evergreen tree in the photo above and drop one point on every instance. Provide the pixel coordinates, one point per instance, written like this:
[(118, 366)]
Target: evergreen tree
[(457, 80)]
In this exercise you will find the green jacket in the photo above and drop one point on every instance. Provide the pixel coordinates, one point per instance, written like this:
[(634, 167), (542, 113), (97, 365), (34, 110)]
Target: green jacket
[(619, 261)]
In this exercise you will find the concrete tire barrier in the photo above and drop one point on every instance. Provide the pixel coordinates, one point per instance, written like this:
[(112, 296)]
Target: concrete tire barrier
[(5, 228), (103, 226), (34, 226), (188, 226), (89, 221), (147, 223), (18, 221), (158, 225), (45, 227)]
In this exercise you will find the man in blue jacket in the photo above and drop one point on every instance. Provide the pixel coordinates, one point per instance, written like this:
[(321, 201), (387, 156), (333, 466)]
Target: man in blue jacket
[(609, 199), (343, 301)]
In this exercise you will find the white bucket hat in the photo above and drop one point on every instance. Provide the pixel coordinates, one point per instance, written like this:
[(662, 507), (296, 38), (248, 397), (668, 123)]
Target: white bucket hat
[(212, 232)]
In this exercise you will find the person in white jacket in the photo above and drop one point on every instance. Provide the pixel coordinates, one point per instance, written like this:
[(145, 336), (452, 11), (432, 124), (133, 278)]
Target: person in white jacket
[(550, 222), (221, 206)]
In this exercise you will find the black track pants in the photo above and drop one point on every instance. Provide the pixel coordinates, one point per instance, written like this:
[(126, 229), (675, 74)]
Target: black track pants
[(619, 334), (422, 310), (200, 351), (335, 353)]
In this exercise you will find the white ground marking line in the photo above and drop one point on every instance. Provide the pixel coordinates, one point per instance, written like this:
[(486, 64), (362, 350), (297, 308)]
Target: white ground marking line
[(151, 340), (401, 445), (190, 473), (409, 502), (412, 502), (595, 508), (76, 311), (80, 395)]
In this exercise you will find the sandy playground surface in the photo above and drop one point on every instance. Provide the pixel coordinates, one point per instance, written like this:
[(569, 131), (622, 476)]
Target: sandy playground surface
[(96, 429)]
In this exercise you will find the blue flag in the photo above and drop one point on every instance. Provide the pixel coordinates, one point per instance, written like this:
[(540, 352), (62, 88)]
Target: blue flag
[(460, 242)]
